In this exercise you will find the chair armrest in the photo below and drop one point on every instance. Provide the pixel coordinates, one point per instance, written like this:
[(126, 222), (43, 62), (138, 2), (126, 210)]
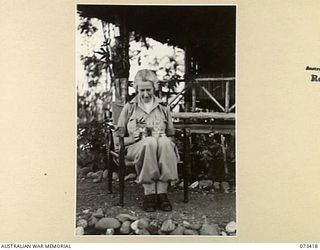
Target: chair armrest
[(121, 134), (114, 154)]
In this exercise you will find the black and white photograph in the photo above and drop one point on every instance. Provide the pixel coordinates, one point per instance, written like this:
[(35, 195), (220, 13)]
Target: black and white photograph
[(156, 120), (165, 122)]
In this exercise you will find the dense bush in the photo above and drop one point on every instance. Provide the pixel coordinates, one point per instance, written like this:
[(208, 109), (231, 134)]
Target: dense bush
[(91, 145), (208, 158)]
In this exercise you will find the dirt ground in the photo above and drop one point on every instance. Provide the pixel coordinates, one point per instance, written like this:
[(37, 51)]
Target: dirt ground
[(218, 207)]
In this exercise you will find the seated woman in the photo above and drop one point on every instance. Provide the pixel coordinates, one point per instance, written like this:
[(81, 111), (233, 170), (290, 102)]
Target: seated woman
[(148, 122)]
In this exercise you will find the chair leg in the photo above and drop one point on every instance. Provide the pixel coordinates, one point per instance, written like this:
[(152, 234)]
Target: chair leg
[(109, 161), (121, 184), (121, 171), (156, 187), (110, 172)]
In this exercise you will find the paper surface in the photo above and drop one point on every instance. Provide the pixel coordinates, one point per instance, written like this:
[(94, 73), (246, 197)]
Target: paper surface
[(278, 122)]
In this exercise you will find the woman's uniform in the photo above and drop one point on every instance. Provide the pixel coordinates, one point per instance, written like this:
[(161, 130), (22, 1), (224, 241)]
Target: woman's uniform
[(155, 157)]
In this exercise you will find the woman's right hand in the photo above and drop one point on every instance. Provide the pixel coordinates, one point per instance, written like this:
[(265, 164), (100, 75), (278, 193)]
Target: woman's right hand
[(136, 136)]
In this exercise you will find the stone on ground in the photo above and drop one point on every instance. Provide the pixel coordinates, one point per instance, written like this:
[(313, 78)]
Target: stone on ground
[(99, 213), (194, 185), (178, 231), (86, 211), (205, 184), (84, 171), (85, 216), (105, 174), (130, 176), (115, 176), (134, 225), (142, 232), (92, 221), (231, 227), (154, 227), (96, 180), (209, 229), (225, 186), (143, 223), (82, 223), (188, 225), (97, 175), (89, 174), (162, 233), (168, 226), (190, 232), (126, 217), (140, 224), (110, 231), (216, 185), (125, 227), (106, 223), (100, 210), (79, 231)]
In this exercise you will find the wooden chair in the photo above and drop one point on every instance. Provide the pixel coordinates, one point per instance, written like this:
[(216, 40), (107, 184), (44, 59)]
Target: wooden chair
[(116, 155)]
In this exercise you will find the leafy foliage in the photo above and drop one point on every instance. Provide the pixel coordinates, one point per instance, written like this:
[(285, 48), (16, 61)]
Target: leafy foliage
[(208, 158), (94, 68), (104, 53), (86, 26), (91, 145)]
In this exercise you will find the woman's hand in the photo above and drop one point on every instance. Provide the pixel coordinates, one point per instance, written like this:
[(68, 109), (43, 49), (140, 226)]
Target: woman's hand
[(136, 136)]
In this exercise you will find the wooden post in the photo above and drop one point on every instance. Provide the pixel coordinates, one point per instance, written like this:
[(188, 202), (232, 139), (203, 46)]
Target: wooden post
[(160, 91), (187, 164), (193, 109), (188, 70), (120, 58), (227, 97), (187, 102), (224, 152), (121, 164), (187, 58)]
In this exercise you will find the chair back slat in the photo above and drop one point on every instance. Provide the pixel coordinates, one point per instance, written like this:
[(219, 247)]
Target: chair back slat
[(116, 111)]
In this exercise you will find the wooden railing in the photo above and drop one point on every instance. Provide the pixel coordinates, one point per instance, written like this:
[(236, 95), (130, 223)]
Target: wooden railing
[(201, 83), (227, 81)]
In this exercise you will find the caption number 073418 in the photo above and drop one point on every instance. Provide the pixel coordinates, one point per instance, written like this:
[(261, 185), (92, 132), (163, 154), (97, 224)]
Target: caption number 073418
[(305, 245)]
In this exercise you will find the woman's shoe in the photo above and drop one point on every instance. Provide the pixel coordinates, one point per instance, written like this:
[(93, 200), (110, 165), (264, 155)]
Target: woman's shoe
[(164, 203), (149, 203)]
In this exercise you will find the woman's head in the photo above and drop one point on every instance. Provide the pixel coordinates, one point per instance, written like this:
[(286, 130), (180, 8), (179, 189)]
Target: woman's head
[(145, 83)]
